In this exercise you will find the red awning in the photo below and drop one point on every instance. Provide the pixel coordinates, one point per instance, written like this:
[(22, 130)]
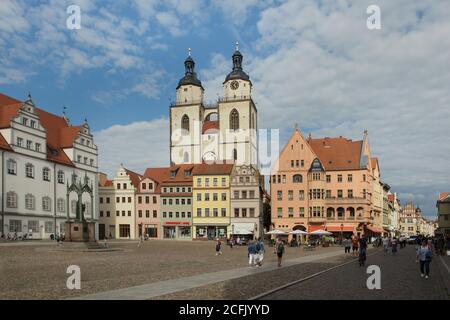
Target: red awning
[(312, 228), (345, 228), (374, 229)]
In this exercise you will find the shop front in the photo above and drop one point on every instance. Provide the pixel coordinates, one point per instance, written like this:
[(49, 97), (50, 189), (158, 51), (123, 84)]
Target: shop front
[(177, 230), (243, 230), (151, 230), (341, 231), (210, 232)]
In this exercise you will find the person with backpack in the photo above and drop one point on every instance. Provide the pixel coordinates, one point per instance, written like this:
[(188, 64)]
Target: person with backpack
[(424, 256), (279, 250)]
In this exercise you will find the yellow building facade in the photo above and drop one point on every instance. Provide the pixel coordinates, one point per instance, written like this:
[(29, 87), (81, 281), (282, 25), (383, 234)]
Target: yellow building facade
[(211, 201)]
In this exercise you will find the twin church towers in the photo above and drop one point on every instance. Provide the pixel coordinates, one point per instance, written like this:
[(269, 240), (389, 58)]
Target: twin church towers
[(225, 132)]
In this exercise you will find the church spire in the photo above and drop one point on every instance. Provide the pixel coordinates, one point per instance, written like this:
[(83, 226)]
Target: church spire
[(237, 73), (190, 76)]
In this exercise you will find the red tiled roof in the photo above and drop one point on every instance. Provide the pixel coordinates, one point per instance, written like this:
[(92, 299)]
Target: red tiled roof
[(3, 144), (59, 134), (443, 195), (212, 169), (337, 153), (135, 178), (108, 183), (210, 126)]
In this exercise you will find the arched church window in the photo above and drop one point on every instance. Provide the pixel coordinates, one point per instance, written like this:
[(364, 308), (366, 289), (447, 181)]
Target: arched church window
[(235, 155), (185, 124), (234, 120)]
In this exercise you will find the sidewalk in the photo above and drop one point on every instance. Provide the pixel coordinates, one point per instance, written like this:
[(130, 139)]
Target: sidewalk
[(152, 290)]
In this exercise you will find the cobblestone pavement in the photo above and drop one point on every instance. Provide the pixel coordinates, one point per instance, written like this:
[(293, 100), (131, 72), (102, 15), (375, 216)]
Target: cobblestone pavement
[(38, 271), (400, 279)]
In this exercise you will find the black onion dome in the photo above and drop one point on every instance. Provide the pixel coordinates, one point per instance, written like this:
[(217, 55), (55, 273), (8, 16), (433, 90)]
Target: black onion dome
[(190, 76), (237, 73)]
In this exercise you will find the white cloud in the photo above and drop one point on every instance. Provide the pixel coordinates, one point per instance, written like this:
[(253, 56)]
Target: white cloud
[(138, 145)]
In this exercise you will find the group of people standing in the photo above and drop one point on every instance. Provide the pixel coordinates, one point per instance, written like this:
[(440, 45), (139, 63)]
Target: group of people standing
[(358, 246)]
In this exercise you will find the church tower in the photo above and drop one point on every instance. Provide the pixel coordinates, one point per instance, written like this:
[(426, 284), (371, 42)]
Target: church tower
[(225, 131), (186, 117), (238, 116)]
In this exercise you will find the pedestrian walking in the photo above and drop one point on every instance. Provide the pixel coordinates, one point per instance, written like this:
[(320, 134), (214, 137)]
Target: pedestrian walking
[(231, 242), (218, 247), (424, 256), (251, 253), (385, 244), (260, 252), (347, 244), (362, 251), (394, 245), (354, 245), (238, 241), (279, 250)]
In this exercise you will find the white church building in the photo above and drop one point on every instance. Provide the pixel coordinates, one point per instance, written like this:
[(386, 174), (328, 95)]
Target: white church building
[(41, 156)]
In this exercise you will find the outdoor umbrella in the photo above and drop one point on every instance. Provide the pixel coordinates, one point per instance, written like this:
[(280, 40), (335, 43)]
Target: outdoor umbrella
[(276, 232), (320, 232), (297, 233)]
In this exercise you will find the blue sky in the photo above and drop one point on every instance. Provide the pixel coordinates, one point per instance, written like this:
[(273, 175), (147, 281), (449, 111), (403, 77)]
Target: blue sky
[(312, 62)]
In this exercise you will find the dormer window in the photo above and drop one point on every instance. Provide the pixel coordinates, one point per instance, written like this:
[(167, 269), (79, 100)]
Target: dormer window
[(82, 141), (25, 121), (173, 173), (29, 144), (33, 124), (187, 173)]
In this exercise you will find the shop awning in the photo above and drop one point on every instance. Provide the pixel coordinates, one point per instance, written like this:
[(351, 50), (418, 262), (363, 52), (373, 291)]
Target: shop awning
[(345, 228), (374, 229), (312, 228), (242, 228)]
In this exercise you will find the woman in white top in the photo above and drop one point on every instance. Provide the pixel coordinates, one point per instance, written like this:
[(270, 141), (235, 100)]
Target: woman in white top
[(424, 254)]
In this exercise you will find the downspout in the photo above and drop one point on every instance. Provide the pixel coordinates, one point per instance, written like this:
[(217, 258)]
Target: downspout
[(55, 176), (3, 194)]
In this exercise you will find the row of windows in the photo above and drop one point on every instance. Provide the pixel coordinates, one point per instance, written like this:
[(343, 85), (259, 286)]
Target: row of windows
[(85, 142), (246, 179), (243, 194), (297, 163), (215, 182), (298, 178), (242, 212), (234, 122), (28, 145), (215, 197), (215, 212), (29, 123), (317, 211), (147, 199), (147, 214), (182, 201), (85, 160), (124, 200), (177, 190), (177, 215), (30, 171), (124, 213), (30, 203), (318, 194), (31, 225)]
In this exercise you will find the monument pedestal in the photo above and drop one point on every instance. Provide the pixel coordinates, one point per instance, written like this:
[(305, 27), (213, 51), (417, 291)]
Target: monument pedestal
[(80, 231)]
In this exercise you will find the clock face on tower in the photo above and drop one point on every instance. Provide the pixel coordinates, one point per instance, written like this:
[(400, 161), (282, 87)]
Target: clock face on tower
[(234, 85)]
